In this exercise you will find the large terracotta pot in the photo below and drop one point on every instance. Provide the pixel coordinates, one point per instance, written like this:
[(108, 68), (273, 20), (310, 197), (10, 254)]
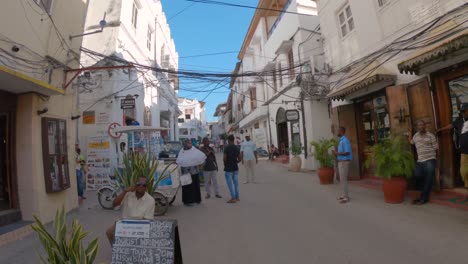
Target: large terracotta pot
[(326, 175), (295, 164), (394, 190)]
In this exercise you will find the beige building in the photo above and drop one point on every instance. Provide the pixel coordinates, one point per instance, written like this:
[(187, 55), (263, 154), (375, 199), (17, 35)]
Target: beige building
[(37, 131)]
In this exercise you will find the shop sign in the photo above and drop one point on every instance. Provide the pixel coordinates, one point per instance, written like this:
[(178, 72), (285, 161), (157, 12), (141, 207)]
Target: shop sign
[(128, 103), (292, 115), (89, 118)]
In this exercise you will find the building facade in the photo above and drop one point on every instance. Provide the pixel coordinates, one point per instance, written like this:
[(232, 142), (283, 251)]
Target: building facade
[(37, 109), (117, 90), (192, 122), (393, 63), (284, 103)]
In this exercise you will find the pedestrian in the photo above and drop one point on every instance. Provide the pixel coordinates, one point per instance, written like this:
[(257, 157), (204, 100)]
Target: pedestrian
[(426, 148), (210, 170), (189, 160), (238, 142), (231, 170), (80, 162), (221, 145), (136, 203), (344, 155), (461, 134), (249, 158), (274, 153)]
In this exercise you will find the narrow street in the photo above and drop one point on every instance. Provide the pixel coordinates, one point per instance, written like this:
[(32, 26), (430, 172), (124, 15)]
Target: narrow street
[(290, 218)]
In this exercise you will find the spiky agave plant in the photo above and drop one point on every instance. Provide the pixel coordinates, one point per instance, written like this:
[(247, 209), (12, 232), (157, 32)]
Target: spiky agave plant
[(136, 165), (322, 153), (62, 246), (392, 158)]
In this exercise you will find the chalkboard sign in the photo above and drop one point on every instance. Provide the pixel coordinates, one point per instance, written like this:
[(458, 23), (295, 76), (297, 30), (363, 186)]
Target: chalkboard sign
[(145, 241)]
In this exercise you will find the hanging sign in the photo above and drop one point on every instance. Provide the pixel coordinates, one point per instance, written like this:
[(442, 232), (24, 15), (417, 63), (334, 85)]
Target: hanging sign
[(128, 103), (292, 115)]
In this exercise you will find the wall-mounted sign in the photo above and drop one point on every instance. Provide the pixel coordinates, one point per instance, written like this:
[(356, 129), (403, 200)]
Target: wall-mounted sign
[(127, 103), (111, 131), (292, 115), (89, 118), (103, 118)]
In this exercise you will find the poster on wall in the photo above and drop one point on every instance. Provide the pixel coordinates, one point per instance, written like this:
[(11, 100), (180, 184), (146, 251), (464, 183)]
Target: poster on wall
[(260, 137), (98, 162)]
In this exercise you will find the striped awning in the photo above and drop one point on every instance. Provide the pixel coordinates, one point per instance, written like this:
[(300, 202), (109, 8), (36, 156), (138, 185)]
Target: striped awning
[(361, 77), (451, 49)]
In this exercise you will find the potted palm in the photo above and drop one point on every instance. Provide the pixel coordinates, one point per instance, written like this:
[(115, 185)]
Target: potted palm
[(325, 158), (395, 163), (295, 164)]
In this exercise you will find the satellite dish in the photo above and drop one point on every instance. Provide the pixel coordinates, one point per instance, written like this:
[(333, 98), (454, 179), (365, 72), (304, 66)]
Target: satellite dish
[(102, 23)]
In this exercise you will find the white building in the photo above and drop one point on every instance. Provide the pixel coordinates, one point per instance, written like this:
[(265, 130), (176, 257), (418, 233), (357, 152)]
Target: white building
[(392, 63), (222, 124), (136, 33), (192, 121), (37, 131), (286, 52)]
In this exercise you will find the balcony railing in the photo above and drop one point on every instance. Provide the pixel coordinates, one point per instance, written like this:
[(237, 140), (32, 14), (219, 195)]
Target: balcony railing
[(278, 19)]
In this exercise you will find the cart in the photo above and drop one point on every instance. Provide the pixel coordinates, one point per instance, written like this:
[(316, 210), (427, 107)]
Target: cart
[(145, 139)]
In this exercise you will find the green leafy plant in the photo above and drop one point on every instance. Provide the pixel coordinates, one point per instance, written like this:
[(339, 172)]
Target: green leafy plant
[(392, 158), (322, 152), (136, 165), (62, 246), (295, 149)]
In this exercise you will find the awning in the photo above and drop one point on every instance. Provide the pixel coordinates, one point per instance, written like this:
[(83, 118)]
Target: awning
[(129, 129), (362, 77), (16, 82), (438, 56)]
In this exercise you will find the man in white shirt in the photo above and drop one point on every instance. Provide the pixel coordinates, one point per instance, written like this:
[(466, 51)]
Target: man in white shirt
[(249, 159), (136, 202)]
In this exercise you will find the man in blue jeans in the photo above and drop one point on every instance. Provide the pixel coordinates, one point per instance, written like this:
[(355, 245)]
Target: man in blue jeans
[(231, 170), (426, 148)]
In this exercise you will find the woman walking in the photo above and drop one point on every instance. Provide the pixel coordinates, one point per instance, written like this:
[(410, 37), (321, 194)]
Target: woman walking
[(189, 160)]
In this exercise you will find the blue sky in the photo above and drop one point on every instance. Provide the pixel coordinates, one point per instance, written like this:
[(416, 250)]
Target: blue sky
[(203, 29)]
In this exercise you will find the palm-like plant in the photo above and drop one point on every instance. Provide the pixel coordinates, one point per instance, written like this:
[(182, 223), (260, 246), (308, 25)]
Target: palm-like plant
[(392, 158), (142, 165), (322, 151), (63, 247), (296, 149)]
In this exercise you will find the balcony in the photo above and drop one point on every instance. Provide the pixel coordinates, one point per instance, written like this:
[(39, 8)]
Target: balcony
[(256, 115)]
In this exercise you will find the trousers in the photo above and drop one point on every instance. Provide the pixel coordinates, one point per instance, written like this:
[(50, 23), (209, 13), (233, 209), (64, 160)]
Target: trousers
[(249, 170), (343, 171), (211, 178)]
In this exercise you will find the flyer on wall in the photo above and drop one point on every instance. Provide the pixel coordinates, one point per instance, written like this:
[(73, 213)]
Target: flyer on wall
[(99, 163)]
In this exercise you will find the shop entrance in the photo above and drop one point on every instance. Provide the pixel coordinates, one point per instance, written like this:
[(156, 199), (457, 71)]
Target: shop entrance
[(282, 131), (452, 93)]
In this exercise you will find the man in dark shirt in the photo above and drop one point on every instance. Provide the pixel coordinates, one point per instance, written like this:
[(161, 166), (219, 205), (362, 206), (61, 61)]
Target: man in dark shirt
[(231, 170), (210, 169)]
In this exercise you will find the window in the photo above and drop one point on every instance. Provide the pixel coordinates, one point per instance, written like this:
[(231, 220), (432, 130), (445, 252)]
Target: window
[(239, 107), (291, 65), (45, 4), (134, 15), (183, 132), (275, 84), (149, 38), (253, 98), (382, 2), (257, 125), (181, 120), (188, 116), (55, 157), (280, 75), (346, 20)]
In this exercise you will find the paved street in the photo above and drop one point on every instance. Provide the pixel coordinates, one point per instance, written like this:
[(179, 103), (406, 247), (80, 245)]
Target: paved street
[(290, 218)]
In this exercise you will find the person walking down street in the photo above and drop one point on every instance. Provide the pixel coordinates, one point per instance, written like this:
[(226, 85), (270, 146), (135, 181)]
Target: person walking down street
[(136, 204), (80, 162), (210, 170), (231, 170), (344, 155), (189, 160), (426, 148), (221, 145), (249, 158)]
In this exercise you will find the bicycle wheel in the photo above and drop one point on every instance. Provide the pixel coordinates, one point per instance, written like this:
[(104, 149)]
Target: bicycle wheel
[(174, 197), (105, 197), (161, 204)]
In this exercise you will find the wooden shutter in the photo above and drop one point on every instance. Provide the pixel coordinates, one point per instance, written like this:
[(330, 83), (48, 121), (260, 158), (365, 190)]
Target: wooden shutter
[(347, 119), (398, 109)]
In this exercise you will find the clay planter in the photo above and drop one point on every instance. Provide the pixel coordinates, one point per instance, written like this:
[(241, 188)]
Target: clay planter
[(394, 190), (326, 175), (295, 164)]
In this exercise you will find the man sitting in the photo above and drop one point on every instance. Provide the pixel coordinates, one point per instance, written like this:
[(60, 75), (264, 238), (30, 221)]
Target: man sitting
[(136, 202)]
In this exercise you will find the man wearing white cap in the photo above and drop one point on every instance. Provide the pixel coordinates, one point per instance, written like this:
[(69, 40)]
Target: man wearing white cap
[(249, 159)]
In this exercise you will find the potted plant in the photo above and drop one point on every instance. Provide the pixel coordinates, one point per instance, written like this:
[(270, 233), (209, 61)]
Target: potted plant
[(65, 246), (393, 162), (295, 164), (325, 158)]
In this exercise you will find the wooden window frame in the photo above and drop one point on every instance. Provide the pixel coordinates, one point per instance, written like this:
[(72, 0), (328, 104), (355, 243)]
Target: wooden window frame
[(291, 65), (253, 98), (60, 153), (149, 38), (346, 20), (135, 15)]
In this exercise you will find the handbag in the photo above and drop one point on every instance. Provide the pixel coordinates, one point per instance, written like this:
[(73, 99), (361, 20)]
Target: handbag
[(185, 179)]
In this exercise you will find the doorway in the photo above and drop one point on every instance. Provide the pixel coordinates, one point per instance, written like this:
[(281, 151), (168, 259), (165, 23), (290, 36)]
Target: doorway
[(282, 131), (4, 177)]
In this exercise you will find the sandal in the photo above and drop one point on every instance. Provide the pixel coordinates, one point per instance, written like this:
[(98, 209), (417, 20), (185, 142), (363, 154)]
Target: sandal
[(231, 201), (341, 198), (344, 200)]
